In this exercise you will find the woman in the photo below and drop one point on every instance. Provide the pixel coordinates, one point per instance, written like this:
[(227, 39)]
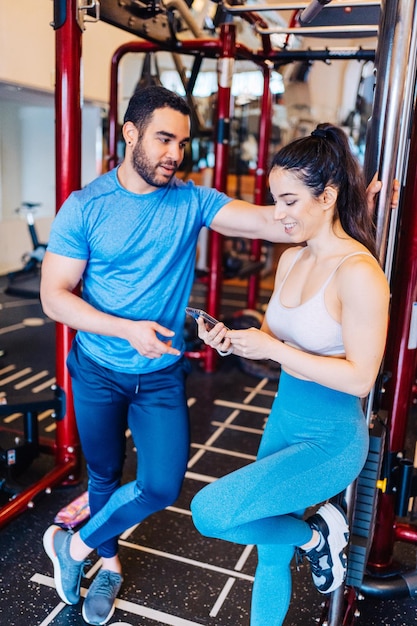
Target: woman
[(326, 325)]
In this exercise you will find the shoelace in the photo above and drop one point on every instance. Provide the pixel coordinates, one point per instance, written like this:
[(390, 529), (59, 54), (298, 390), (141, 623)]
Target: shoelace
[(85, 566), (299, 554), (314, 559), (105, 584)]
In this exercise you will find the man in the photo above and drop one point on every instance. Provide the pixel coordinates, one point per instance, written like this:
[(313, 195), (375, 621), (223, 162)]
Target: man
[(131, 237)]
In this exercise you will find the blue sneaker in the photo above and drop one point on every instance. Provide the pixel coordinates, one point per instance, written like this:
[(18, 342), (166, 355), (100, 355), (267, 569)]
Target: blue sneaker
[(328, 560), (98, 605), (67, 571)]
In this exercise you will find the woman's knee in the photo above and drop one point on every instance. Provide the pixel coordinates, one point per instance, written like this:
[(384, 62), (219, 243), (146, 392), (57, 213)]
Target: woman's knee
[(207, 518)]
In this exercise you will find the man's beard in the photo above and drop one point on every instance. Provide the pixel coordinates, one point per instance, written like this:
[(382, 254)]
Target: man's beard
[(147, 170)]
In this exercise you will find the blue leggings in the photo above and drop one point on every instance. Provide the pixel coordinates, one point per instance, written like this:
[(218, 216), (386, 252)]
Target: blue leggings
[(154, 407), (314, 445)]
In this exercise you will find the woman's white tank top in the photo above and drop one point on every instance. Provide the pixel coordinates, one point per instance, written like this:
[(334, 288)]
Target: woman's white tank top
[(308, 326)]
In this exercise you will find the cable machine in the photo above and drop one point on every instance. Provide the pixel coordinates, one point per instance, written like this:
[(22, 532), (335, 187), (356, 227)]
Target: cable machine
[(392, 150)]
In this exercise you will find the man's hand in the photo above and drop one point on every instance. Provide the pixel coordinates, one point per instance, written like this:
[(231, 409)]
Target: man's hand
[(375, 187), (143, 337)]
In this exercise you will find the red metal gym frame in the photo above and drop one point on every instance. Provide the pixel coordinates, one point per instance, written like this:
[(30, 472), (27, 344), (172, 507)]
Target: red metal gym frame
[(66, 447), (68, 178), (221, 153), (261, 178), (193, 46)]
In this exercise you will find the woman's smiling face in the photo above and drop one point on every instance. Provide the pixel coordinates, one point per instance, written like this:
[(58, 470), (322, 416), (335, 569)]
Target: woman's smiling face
[(301, 214)]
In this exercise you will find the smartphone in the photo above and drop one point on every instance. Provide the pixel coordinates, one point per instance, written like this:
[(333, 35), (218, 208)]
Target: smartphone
[(196, 313)]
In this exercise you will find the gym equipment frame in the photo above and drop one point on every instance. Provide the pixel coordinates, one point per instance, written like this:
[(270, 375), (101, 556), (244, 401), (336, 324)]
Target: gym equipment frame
[(387, 153)]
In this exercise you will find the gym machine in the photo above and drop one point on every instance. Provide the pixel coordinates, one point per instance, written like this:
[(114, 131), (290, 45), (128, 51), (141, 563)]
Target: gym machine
[(393, 152), (19, 450), (25, 281)]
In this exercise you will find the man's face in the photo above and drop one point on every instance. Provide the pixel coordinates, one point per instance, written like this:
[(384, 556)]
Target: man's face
[(158, 154)]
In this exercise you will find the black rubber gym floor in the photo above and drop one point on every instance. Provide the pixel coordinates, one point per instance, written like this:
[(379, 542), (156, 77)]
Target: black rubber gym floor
[(172, 575)]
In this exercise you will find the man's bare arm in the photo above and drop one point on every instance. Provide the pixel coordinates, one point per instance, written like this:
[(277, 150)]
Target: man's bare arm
[(60, 277), (242, 219)]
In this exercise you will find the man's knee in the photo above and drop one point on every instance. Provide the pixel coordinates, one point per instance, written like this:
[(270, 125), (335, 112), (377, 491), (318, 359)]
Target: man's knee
[(158, 497)]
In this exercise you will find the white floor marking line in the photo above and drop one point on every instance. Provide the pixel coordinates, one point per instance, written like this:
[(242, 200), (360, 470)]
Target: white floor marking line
[(9, 368), (222, 426), (124, 605), (153, 614), (45, 414), (31, 380), (230, 582), (128, 532), (254, 391), (183, 559), (239, 455), (9, 379), (10, 329), (50, 618), (16, 304), (208, 447), (200, 477), (243, 429), (244, 557), (262, 392), (196, 457), (222, 597), (175, 509), (48, 383), (242, 407), (11, 418)]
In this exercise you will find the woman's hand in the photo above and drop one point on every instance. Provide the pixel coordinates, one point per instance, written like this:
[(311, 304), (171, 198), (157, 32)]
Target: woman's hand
[(215, 337), (253, 343)]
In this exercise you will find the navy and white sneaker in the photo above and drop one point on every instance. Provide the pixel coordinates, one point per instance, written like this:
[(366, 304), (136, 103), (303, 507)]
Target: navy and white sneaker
[(328, 560)]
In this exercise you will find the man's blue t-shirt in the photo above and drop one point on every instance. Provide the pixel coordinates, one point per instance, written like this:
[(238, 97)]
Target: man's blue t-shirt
[(140, 251)]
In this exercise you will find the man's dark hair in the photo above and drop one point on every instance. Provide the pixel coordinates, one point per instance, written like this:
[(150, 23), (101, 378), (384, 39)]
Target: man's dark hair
[(147, 99)]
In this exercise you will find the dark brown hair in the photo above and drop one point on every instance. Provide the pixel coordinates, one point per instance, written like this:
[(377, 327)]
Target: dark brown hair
[(325, 158)]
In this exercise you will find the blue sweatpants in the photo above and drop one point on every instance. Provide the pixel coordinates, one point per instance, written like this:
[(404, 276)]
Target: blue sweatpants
[(154, 407), (314, 445)]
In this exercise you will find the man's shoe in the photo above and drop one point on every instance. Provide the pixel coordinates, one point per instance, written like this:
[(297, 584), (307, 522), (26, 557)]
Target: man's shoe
[(328, 560), (98, 605), (67, 571)]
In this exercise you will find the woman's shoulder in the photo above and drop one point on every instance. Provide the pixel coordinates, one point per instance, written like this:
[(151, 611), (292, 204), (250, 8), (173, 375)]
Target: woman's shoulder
[(361, 271), (359, 257), (289, 255), (286, 260)]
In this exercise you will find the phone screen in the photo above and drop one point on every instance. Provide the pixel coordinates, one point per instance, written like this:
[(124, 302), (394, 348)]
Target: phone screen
[(196, 313)]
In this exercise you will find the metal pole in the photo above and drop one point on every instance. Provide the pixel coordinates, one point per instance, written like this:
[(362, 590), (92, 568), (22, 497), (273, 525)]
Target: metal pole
[(225, 75), (388, 131), (393, 116), (261, 176), (68, 178)]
